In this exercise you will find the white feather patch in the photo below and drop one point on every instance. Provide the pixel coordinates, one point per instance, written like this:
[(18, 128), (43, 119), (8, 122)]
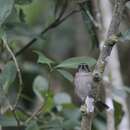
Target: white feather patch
[(89, 101)]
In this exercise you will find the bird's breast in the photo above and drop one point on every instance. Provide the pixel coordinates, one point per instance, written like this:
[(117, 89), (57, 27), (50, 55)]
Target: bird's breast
[(83, 83)]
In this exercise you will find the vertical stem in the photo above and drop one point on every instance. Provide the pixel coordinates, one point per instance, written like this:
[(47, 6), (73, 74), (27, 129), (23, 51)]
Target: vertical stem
[(86, 123)]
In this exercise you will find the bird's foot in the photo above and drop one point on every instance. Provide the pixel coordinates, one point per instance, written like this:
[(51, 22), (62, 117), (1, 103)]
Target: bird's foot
[(83, 109)]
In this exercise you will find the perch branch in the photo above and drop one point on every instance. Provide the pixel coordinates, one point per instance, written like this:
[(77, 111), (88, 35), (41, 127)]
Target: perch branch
[(110, 41), (86, 122)]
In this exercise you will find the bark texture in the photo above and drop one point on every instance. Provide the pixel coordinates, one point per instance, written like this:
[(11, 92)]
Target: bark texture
[(110, 41)]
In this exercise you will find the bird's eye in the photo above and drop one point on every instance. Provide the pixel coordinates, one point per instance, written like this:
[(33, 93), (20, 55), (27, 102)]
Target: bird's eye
[(80, 66), (86, 67)]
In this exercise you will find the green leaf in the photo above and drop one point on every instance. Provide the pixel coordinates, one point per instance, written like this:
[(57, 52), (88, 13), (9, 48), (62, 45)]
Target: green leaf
[(23, 2), (6, 7), (75, 61), (66, 75), (70, 124), (43, 59), (69, 106), (40, 88), (32, 126), (21, 114), (49, 103), (70, 114), (40, 85), (100, 125), (62, 98), (55, 124), (118, 113), (7, 121), (8, 76)]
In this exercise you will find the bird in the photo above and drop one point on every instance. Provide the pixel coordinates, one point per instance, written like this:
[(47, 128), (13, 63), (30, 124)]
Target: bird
[(85, 89)]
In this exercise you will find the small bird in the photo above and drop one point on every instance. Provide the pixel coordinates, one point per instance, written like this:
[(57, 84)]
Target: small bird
[(85, 90)]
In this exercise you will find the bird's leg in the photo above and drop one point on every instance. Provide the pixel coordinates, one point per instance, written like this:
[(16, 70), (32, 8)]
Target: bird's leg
[(83, 109), (88, 107)]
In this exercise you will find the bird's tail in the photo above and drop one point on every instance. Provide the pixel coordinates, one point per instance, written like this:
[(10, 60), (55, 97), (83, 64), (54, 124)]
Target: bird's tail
[(101, 106), (91, 105)]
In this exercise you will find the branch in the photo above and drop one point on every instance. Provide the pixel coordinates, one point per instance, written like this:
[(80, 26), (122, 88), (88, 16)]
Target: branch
[(18, 70), (35, 113), (12, 109), (86, 122), (54, 24), (110, 41)]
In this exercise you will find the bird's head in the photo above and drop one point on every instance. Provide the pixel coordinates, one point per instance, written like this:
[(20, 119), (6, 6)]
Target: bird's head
[(83, 68)]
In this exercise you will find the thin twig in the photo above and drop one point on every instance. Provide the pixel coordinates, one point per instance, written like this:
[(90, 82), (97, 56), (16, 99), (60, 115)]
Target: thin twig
[(68, 15), (19, 76), (49, 27), (95, 23), (112, 39), (23, 111), (37, 112), (14, 59), (63, 9), (17, 67)]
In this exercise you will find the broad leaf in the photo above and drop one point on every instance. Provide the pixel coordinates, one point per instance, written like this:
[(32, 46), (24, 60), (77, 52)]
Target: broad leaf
[(40, 85), (4, 102), (43, 59), (7, 121), (70, 124), (49, 103), (32, 126), (6, 7), (8, 76), (62, 98), (66, 75), (118, 113), (75, 61), (72, 119), (55, 124), (99, 124), (72, 114)]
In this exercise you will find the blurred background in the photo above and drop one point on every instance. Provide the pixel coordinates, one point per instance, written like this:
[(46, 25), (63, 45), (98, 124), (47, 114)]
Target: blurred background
[(47, 92)]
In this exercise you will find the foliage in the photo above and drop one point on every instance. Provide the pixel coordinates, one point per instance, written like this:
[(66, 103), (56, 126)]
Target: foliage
[(48, 66), (5, 9)]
